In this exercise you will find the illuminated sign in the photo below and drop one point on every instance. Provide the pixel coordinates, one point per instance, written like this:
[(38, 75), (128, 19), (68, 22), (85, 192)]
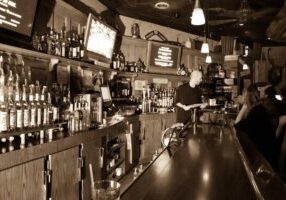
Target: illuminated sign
[(18, 15)]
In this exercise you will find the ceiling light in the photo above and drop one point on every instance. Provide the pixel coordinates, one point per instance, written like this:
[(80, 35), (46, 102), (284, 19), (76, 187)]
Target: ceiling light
[(245, 51), (245, 66), (269, 38), (198, 17), (208, 59), (162, 5), (205, 48)]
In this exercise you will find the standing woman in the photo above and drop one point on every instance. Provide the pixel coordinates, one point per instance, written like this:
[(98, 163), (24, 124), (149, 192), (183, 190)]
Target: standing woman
[(255, 121)]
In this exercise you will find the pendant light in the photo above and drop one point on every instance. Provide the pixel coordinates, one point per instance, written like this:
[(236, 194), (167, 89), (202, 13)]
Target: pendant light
[(198, 17), (208, 59), (245, 66), (205, 46)]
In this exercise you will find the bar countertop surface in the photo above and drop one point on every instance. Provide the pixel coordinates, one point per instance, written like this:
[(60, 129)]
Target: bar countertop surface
[(206, 165)]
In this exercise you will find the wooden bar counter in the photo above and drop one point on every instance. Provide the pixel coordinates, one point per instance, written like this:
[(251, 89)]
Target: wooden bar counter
[(206, 165)]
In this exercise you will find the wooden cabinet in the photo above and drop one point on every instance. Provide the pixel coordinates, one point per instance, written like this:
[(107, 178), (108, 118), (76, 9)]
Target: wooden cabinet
[(133, 49), (93, 153), (56, 176), (151, 127), (66, 174), (168, 120), (25, 181), (133, 152)]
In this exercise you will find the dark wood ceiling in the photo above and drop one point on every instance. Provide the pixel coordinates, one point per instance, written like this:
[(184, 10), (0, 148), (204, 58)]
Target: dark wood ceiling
[(267, 18)]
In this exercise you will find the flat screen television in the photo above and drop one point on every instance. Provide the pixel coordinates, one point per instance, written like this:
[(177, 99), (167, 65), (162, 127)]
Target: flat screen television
[(105, 93), (17, 17), (99, 39), (163, 58)]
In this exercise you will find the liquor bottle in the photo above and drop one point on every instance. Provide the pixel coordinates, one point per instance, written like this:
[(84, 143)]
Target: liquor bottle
[(57, 45), (63, 40), (55, 100), (38, 104), (81, 49), (45, 110), (69, 46), (11, 103), (74, 44), (50, 110), (19, 106), (33, 107), (43, 43), (4, 112), (26, 107)]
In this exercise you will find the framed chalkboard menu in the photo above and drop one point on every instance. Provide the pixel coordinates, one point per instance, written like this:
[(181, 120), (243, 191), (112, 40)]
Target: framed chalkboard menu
[(163, 58)]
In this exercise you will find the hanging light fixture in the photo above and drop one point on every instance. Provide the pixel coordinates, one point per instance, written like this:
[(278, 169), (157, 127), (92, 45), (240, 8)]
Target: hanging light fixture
[(198, 17), (205, 46), (208, 59), (245, 66)]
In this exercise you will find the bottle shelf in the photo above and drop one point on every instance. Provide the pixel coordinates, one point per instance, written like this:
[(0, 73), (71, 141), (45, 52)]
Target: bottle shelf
[(44, 56), (29, 130)]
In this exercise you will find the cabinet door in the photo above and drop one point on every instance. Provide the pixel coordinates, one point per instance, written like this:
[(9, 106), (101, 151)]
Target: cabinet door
[(151, 138), (92, 152), (24, 182), (65, 174), (168, 121), (133, 49)]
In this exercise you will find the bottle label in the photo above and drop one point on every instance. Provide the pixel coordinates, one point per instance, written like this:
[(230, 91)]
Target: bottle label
[(26, 118), (3, 121), (45, 116), (63, 52), (74, 52), (39, 116), (37, 97), (12, 119), (19, 118), (33, 116), (55, 114), (82, 53)]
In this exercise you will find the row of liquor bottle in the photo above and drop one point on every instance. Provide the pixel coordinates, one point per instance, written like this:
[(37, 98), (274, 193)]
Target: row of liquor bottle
[(24, 105), (155, 99), (119, 63), (29, 139), (65, 43)]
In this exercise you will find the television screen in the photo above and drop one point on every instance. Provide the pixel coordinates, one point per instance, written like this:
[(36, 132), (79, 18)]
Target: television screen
[(162, 57), (105, 93), (99, 37), (18, 15)]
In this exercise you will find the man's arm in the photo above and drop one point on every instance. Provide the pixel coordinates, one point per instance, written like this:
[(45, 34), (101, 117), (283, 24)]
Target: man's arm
[(188, 107)]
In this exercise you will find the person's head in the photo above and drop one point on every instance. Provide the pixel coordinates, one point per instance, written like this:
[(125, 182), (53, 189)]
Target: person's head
[(251, 96), (270, 92), (196, 77)]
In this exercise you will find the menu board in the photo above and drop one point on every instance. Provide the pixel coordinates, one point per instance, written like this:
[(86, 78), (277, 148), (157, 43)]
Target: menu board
[(18, 15), (163, 57)]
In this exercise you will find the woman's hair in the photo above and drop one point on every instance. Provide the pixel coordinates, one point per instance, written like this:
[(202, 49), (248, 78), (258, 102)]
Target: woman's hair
[(251, 97)]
